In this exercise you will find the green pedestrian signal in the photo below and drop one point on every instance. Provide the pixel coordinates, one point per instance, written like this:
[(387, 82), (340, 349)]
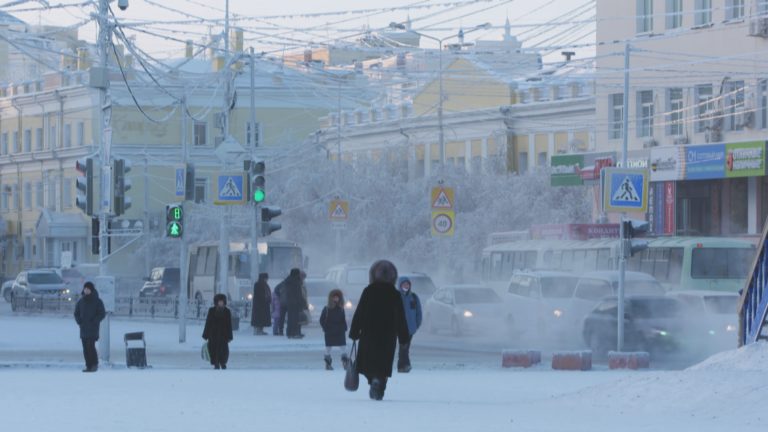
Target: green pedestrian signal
[(174, 220)]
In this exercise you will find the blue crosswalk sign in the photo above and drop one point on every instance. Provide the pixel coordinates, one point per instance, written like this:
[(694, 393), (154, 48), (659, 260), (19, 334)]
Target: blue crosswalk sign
[(180, 185), (229, 188), (625, 189)]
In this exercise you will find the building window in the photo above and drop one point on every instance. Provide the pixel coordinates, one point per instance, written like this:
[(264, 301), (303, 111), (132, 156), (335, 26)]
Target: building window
[(734, 105), (645, 113), (201, 186), (4, 148), (675, 110), (16, 144), (704, 106), (67, 135), (28, 196), (734, 9), (80, 134), (28, 140), (200, 133), (702, 13), (674, 16), (541, 159), (15, 203), (6, 197), (51, 193), (616, 102), (249, 134), (39, 195), (644, 16), (52, 137), (762, 100), (39, 139), (66, 193), (762, 6)]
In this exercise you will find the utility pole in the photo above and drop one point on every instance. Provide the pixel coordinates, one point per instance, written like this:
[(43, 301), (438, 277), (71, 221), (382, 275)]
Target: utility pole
[(338, 170), (254, 134), (183, 264), (622, 234), (102, 45), (223, 227)]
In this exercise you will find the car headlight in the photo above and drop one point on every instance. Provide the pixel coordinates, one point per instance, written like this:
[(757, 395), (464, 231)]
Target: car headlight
[(311, 307), (730, 328), (348, 305), (250, 296), (468, 314), (66, 291), (659, 332), (557, 313)]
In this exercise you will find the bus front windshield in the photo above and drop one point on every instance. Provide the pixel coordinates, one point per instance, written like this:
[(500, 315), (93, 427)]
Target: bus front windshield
[(278, 262)]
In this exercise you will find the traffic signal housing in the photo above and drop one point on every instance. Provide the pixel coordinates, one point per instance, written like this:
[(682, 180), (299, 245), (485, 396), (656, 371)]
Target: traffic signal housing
[(174, 220), (267, 214), (84, 185), (121, 184), (634, 228), (257, 181)]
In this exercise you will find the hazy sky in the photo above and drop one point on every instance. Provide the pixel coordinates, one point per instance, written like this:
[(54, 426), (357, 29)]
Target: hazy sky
[(291, 24)]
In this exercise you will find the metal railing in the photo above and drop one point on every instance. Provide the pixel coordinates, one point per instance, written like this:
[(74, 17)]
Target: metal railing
[(753, 306)]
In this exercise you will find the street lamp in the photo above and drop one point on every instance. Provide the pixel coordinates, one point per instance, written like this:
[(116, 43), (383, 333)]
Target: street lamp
[(441, 135)]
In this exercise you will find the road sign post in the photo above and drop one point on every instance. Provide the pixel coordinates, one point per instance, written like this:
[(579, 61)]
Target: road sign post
[(443, 218)]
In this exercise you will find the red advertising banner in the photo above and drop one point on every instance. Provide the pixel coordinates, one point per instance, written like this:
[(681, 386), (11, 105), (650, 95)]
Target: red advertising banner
[(669, 207)]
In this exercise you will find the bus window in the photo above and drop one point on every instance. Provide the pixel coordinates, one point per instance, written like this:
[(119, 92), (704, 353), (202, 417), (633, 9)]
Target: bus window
[(496, 261), (530, 259), (210, 261), (720, 263), (199, 261), (603, 259), (675, 265), (661, 264), (547, 259)]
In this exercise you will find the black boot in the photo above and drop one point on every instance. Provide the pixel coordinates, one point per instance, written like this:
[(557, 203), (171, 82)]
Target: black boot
[(328, 361), (345, 361)]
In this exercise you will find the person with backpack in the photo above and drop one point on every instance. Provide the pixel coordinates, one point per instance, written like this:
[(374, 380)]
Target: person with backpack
[(333, 321)]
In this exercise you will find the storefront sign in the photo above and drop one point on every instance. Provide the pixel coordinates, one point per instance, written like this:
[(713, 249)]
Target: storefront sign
[(705, 162), (579, 169), (667, 163), (745, 159), (669, 208)]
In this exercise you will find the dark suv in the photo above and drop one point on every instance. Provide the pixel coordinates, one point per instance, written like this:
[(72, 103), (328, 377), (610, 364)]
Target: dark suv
[(162, 282)]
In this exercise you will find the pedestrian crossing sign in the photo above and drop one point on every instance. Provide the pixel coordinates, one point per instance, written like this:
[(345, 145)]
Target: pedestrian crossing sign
[(625, 190), (442, 198), (229, 188), (338, 210)]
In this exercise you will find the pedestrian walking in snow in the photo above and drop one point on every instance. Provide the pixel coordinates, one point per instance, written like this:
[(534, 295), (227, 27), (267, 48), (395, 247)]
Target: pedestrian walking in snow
[(296, 303), (89, 311), (378, 324), (218, 331), (262, 297), (278, 310), (334, 324), (412, 309)]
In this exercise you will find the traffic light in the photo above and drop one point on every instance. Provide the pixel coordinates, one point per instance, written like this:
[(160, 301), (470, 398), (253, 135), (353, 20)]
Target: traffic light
[(189, 182), (267, 214), (95, 235), (632, 229), (84, 184), (255, 170), (121, 184), (174, 220)]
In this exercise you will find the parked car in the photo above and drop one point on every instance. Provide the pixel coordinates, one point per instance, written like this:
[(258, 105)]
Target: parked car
[(464, 309), (652, 323), (421, 284), (317, 295), (712, 317), (538, 303), (162, 282), (39, 283), (73, 278)]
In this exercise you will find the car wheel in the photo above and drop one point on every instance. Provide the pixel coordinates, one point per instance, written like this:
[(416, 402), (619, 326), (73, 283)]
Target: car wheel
[(455, 327)]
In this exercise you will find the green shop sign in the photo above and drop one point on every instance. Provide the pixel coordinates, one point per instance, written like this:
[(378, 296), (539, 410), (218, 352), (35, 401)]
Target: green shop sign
[(746, 159)]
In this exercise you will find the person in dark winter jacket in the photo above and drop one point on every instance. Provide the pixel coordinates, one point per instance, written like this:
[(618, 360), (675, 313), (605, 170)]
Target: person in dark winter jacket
[(378, 323), (89, 312), (333, 321), (278, 310), (262, 297), (218, 331), (295, 304), (412, 309)]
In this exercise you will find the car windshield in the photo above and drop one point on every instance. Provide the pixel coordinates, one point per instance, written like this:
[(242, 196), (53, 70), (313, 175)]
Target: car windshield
[(655, 308), (558, 287), (44, 278), (70, 273), (357, 277), (319, 288), (721, 263), (721, 304), (475, 296)]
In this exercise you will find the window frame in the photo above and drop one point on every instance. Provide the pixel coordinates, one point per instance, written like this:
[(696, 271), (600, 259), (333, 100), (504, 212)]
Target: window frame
[(616, 116), (676, 113), (646, 111)]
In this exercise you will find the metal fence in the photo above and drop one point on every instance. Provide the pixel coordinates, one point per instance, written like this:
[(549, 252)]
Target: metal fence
[(144, 307)]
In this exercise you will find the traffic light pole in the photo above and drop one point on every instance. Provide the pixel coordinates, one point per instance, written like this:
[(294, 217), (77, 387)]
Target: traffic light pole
[(183, 252), (622, 233)]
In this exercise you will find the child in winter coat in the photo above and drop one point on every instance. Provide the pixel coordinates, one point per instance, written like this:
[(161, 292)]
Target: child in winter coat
[(334, 324)]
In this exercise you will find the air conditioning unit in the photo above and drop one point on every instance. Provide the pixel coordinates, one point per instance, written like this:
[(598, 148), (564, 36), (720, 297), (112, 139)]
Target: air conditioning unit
[(650, 143), (747, 119), (713, 135), (758, 27)]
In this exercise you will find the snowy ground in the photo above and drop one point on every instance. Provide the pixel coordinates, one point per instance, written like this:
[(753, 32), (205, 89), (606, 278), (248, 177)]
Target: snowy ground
[(276, 384)]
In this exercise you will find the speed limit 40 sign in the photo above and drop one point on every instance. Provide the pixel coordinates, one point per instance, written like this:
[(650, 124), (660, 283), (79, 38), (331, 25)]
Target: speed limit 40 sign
[(443, 223)]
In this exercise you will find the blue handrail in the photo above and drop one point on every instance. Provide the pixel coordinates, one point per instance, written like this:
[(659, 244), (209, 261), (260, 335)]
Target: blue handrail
[(753, 306)]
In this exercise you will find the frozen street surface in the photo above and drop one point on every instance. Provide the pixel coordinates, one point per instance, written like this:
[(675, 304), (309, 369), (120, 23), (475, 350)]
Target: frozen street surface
[(276, 384)]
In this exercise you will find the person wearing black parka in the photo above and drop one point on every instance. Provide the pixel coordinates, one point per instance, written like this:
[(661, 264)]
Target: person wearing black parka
[(218, 331), (89, 311), (333, 321), (262, 298)]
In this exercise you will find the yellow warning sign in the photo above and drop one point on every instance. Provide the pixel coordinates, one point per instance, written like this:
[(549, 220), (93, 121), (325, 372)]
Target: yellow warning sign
[(442, 198), (338, 210), (443, 223)]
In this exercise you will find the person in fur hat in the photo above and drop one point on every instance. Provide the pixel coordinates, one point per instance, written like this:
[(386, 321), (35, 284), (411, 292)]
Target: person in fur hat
[(334, 325), (89, 312), (218, 331)]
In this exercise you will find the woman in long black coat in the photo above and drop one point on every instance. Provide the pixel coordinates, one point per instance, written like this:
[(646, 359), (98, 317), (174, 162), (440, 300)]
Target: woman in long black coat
[(262, 298), (218, 331), (378, 324)]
